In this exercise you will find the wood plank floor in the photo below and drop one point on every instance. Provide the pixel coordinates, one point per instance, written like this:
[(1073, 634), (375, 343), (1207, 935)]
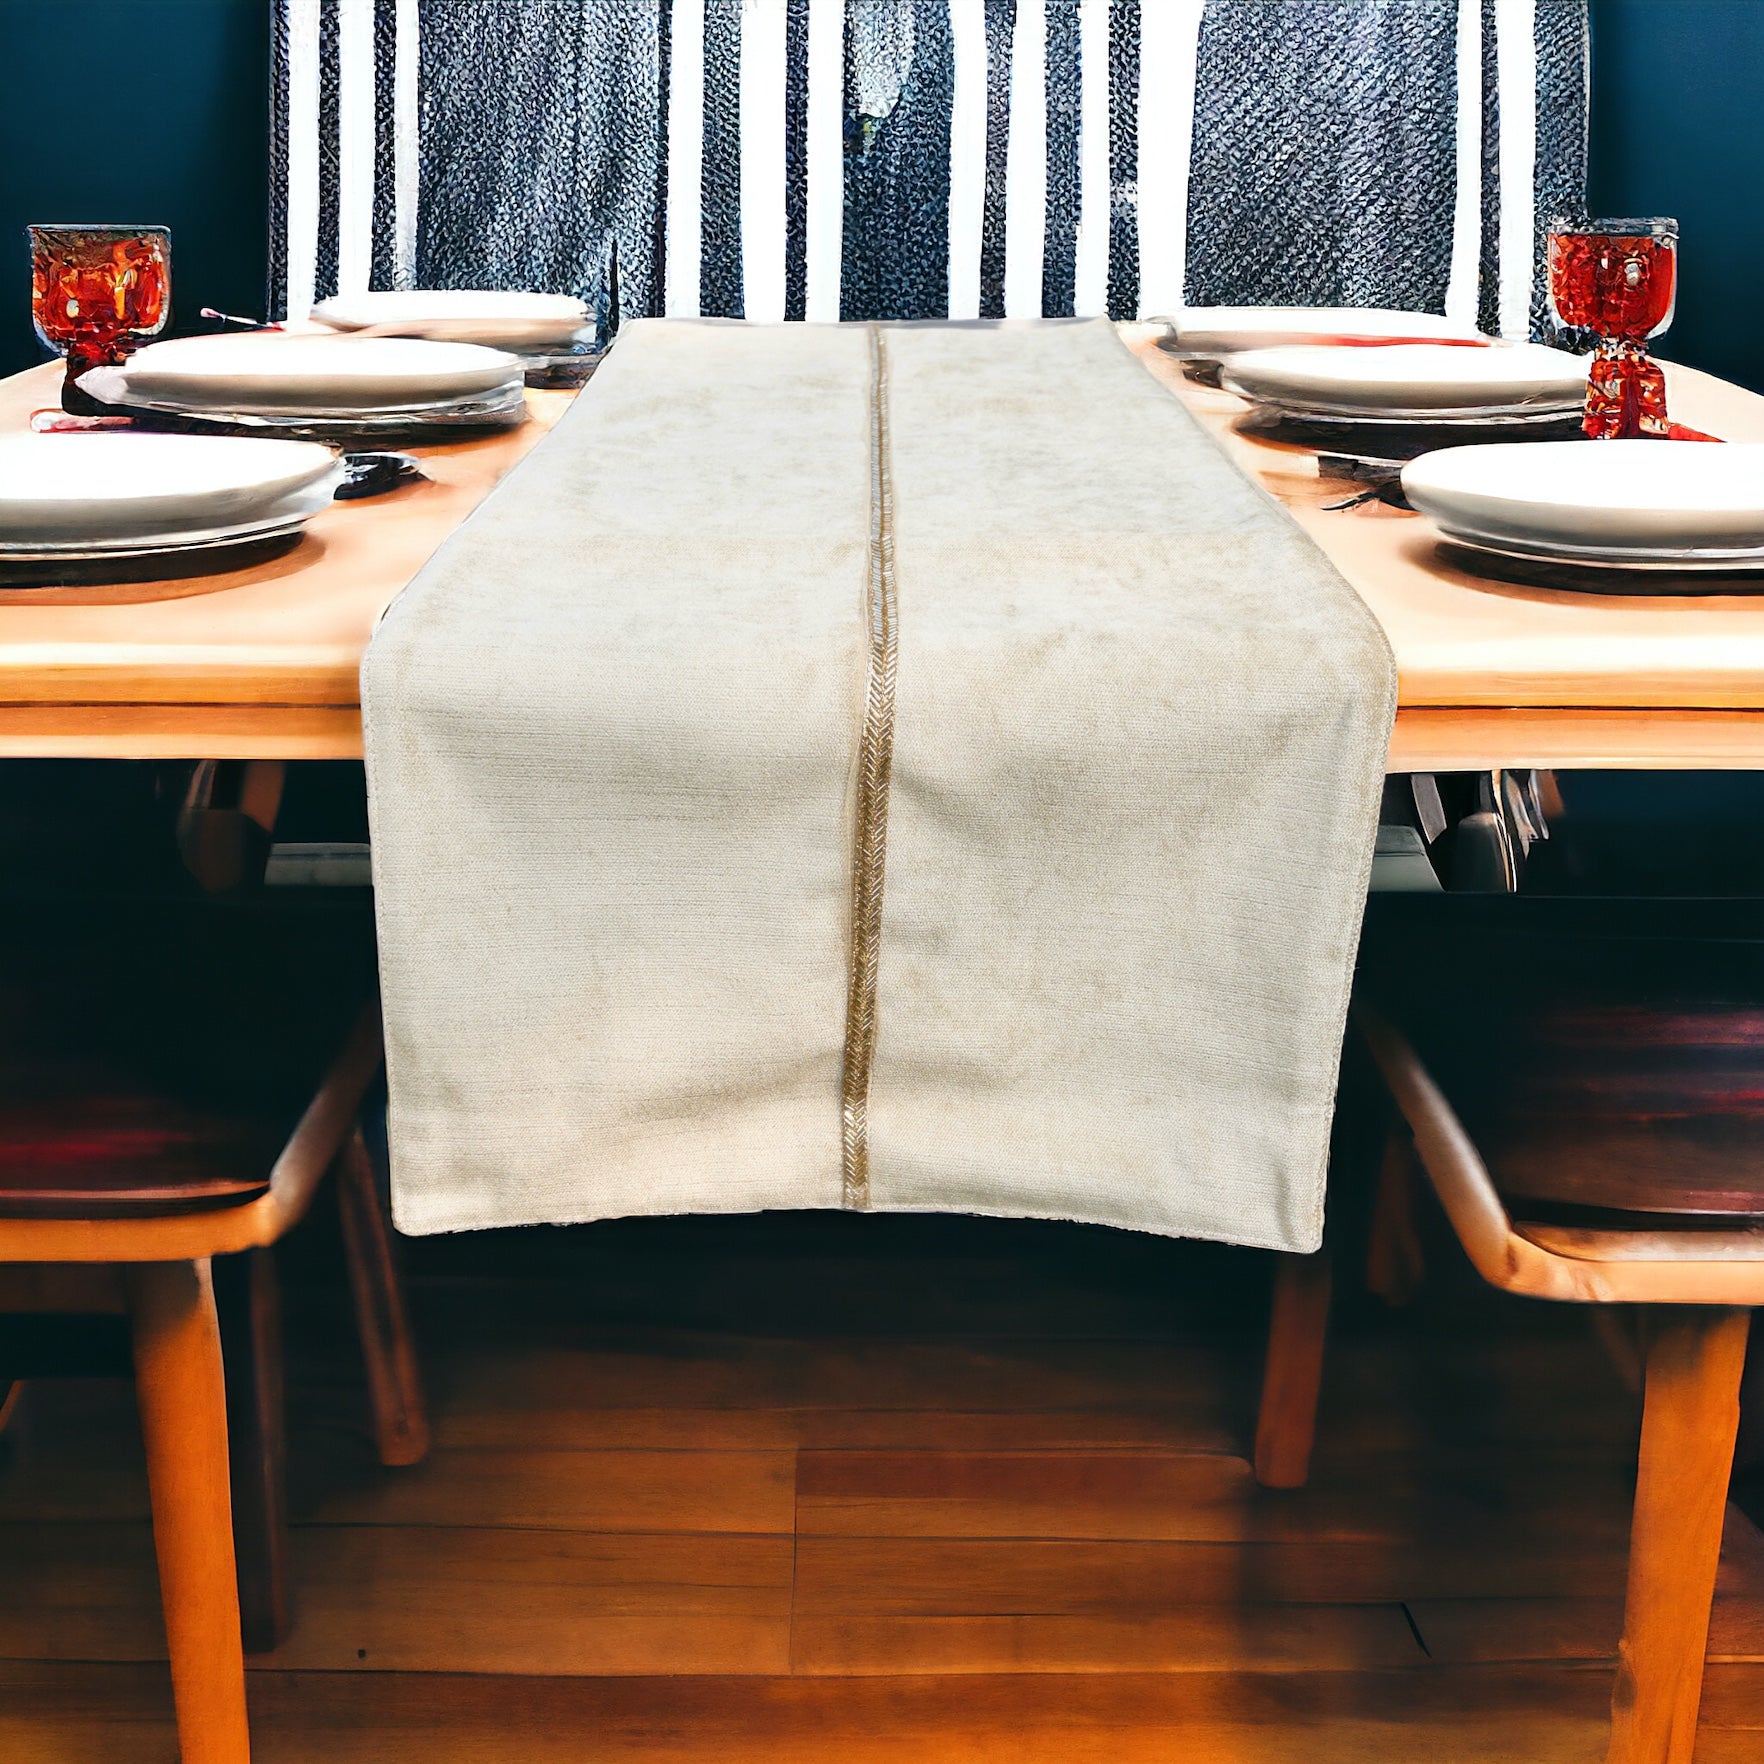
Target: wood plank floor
[(819, 1488)]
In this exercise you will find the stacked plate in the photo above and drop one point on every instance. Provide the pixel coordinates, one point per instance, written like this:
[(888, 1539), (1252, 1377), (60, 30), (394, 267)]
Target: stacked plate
[(1225, 330), (1658, 506), (1411, 383), (525, 323), (336, 386), (108, 497)]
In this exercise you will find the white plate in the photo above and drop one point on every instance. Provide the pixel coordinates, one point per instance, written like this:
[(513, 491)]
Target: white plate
[(290, 511), (459, 315), (1610, 496), (86, 488), (275, 372), (1222, 330), (503, 407), (1410, 380)]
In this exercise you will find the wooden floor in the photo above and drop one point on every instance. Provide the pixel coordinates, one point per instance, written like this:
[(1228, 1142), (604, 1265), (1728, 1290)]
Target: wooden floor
[(824, 1488)]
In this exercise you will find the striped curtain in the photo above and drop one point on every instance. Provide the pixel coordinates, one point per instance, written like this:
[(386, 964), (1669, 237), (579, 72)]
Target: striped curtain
[(848, 159)]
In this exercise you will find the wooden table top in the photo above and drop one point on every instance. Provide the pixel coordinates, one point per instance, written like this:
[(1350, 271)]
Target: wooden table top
[(1497, 673), (262, 662), (254, 663)]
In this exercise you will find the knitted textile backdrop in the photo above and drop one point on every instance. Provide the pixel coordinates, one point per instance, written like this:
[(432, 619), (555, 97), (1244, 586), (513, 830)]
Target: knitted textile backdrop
[(860, 159)]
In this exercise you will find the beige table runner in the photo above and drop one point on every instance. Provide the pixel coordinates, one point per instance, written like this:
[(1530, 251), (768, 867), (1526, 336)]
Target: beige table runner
[(901, 767)]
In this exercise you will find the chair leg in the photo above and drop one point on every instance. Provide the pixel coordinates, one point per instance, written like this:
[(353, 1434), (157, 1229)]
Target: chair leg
[(250, 1306), (1689, 1417), (1293, 1372), (401, 1421), (182, 1393)]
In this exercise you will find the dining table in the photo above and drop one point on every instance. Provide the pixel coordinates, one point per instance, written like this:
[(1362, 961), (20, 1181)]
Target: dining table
[(261, 662)]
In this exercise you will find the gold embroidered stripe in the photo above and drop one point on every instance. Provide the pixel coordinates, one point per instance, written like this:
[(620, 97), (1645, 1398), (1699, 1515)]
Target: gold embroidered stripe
[(875, 761)]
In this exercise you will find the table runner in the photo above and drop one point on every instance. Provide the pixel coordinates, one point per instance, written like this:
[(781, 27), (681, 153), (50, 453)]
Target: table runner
[(902, 767)]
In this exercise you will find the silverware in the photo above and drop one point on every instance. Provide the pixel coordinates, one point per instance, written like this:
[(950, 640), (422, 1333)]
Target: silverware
[(373, 474), (1371, 495)]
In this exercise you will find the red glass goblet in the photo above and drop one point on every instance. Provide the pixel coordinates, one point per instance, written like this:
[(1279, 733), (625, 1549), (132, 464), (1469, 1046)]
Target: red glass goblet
[(97, 292), (1618, 279)]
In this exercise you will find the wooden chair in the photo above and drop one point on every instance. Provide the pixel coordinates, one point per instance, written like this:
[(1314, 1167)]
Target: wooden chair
[(136, 1189), (1614, 1157)]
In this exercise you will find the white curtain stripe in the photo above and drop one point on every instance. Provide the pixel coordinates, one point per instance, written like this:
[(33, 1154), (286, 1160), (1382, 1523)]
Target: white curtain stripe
[(1026, 163), (685, 159), (1079, 141), (407, 63), (355, 145), (1169, 50), (967, 155), (303, 157), (762, 160), (1464, 286), (1091, 274), (1516, 71), (825, 204)]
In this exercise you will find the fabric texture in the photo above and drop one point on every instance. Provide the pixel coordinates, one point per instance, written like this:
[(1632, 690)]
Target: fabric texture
[(1284, 151), (1139, 728)]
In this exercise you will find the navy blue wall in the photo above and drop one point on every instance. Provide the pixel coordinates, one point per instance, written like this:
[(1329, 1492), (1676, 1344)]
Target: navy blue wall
[(1678, 129), (154, 110), (137, 111)]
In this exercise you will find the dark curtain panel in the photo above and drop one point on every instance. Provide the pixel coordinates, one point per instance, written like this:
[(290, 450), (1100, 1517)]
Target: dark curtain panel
[(1324, 159)]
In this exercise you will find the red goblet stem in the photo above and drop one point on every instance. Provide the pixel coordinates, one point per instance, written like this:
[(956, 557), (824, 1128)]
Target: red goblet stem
[(1625, 395)]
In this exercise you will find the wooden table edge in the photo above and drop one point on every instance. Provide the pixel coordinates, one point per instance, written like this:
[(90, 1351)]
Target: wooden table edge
[(1427, 738), (1473, 738), (180, 731)]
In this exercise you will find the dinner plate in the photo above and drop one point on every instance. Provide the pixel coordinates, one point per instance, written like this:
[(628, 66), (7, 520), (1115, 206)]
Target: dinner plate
[(97, 489), (502, 408), (1427, 382), (273, 372), (512, 320), (1223, 330), (1605, 498)]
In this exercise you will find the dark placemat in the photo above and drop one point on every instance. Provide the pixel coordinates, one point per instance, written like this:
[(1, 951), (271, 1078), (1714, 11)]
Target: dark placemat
[(1573, 578)]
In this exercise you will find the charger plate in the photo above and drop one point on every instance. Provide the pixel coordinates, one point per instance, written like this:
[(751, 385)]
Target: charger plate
[(1460, 421), (1744, 560), (149, 561), (1396, 442), (246, 533), (1586, 575)]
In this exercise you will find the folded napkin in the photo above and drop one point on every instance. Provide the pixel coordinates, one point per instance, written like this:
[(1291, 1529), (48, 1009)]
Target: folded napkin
[(899, 767)]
